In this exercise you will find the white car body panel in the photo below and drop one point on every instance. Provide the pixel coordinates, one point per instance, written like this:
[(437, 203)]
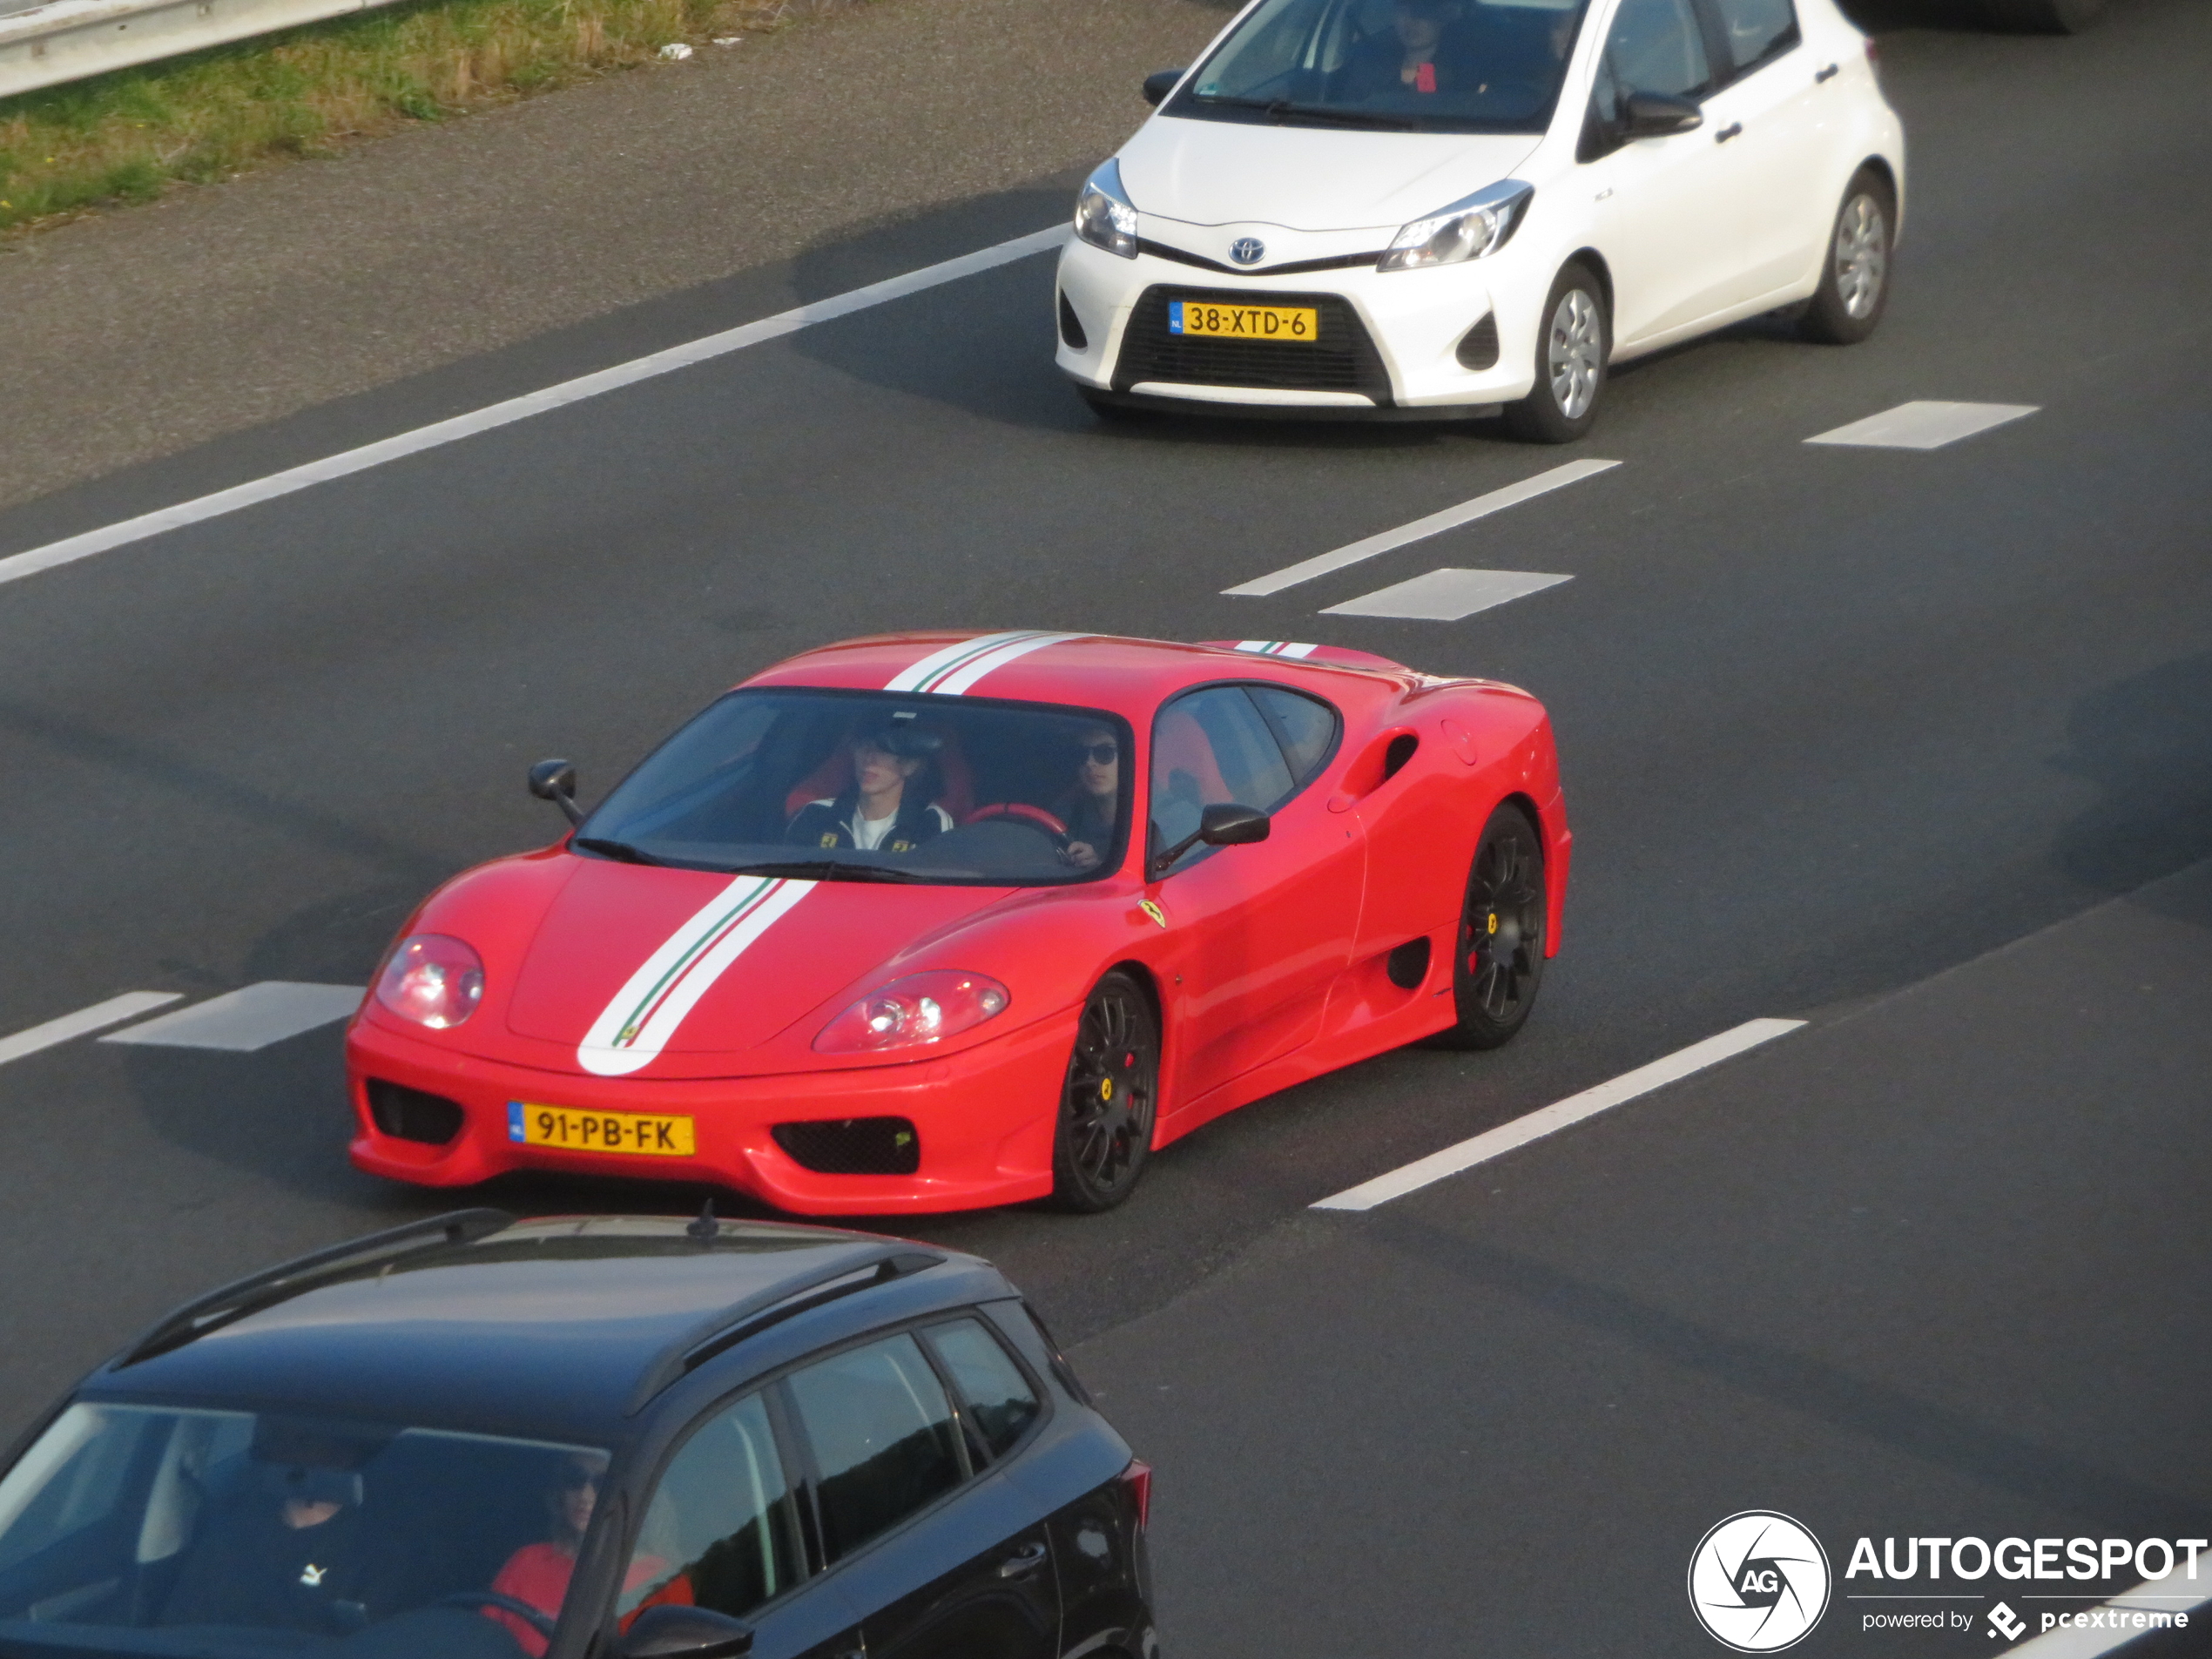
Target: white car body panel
[(1691, 232)]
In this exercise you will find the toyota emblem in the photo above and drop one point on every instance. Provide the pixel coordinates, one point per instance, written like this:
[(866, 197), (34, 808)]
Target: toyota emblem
[(1248, 250)]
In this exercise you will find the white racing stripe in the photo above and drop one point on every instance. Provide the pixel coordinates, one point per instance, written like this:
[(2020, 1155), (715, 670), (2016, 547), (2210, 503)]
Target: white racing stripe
[(1466, 513), (951, 671), (70, 549), (645, 1013), (1549, 1120), (1276, 648), (100, 1016)]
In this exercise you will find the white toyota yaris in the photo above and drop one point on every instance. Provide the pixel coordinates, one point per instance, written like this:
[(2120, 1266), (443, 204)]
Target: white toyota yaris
[(1447, 205)]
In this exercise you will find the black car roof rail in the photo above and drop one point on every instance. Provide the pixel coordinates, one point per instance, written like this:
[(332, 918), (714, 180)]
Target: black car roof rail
[(862, 1270), (274, 1285)]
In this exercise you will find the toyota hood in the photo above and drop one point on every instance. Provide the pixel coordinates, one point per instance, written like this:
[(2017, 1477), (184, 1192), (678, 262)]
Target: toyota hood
[(630, 964), (1308, 179)]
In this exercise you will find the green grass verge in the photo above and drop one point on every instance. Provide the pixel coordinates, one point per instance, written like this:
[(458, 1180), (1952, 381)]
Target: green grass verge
[(126, 136)]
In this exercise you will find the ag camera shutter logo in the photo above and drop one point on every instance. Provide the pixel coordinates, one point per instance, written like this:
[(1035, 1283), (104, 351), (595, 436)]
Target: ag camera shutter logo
[(1758, 1581)]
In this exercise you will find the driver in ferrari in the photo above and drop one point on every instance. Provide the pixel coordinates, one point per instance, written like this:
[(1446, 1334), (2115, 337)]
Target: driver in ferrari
[(890, 807)]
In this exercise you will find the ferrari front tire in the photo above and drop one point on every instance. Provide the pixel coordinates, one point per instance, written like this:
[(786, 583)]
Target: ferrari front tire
[(1498, 961), (1110, 1100)]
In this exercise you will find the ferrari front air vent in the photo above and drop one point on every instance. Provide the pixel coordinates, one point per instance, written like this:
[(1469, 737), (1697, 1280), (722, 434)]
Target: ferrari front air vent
[(853, 1146), (414, 1114), (1479, 346)]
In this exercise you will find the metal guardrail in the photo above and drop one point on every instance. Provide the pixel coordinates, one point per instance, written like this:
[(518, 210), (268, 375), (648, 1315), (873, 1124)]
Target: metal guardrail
[(66, 40)]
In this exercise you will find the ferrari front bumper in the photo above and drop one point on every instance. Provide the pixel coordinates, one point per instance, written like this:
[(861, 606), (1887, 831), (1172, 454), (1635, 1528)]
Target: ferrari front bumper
[(984, 1116)]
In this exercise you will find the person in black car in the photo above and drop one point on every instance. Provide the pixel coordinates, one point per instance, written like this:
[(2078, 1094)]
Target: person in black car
[(284, 1556), (890, 807), (1091, 806)]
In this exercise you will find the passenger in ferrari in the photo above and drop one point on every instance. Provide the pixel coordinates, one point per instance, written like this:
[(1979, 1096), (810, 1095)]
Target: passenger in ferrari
[(1090, 807), (891, 804)]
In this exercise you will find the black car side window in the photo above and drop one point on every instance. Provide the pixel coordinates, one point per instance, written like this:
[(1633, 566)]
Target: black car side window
[(1000, 1401), (883, 1436), (720, 1531), (1305, 726), (1757, 30)]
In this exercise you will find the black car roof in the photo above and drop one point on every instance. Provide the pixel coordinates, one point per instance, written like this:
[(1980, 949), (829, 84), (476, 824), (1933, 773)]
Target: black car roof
[(560, 1327)]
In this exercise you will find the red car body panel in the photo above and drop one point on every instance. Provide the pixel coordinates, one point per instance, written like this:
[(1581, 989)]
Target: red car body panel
[(1266, 960)]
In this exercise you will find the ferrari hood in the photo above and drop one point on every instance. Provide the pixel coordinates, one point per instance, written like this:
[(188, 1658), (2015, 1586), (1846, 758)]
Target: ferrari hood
[(630, 962), (1308, 179)]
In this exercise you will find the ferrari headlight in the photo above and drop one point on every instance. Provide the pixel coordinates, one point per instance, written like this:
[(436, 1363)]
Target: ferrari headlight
[(432, 979), (919, 1008), (1104, 215), (1466, 229)]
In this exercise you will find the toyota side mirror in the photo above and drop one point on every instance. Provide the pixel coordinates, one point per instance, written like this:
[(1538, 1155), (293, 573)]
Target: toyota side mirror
[(1655, 115), (1223, 824), (555, 780), (1159, 84), (670, 1631)]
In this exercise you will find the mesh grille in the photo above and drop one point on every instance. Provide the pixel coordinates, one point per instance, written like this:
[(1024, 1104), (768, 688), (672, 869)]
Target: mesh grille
[(1341, 358), (853, 1146), (411, 1113)]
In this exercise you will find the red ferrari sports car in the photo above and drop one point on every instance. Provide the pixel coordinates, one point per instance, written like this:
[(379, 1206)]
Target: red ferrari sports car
[(929, 922)]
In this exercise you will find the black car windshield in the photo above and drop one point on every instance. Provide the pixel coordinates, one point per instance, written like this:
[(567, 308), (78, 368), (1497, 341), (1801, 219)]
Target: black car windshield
[(873, 786), (1403, 65), (134, 1529)]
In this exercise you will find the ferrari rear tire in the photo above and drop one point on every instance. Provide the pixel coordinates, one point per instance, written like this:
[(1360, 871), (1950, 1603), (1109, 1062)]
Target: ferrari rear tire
[(1498, 961), (1110, 1100)]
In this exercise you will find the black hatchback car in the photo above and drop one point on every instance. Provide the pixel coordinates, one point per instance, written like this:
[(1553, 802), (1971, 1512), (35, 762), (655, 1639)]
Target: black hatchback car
[(476, 1438)]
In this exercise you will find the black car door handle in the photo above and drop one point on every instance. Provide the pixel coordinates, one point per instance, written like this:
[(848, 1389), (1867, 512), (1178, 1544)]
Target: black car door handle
[(1732, 130), (1827, 74), (1025, 1560)]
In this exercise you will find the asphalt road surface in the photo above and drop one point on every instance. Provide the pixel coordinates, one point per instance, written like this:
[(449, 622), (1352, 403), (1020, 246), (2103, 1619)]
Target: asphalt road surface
[(1834, 720)]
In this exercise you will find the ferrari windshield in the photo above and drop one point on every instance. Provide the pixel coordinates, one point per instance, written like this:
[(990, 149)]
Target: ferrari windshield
[(133, 1529), (873, 786), (1403, 65)]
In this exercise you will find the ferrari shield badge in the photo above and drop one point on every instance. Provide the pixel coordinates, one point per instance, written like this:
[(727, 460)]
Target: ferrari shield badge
[(1153, 911)]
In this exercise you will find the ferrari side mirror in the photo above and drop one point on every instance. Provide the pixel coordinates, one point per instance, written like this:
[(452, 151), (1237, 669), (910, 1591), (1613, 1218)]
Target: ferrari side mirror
[(1159, 84), (1223, 824), (1229, 825), (1652, 115), (671, 1631), (555, 780)]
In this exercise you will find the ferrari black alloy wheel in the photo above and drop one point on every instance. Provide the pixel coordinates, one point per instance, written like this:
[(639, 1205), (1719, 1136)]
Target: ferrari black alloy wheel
[(1111, 1099), (1500, 955)]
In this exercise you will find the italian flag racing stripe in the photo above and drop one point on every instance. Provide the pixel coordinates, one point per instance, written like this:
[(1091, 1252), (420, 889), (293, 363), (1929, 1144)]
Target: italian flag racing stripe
[(953, 670), (646, 1012)]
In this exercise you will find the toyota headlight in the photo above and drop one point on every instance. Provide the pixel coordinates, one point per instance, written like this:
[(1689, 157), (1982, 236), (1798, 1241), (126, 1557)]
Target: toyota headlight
[(1104, 215), (1471, 229)]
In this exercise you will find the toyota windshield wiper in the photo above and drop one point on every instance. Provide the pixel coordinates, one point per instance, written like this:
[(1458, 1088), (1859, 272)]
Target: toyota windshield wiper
[(1281, 108), (606, 847)]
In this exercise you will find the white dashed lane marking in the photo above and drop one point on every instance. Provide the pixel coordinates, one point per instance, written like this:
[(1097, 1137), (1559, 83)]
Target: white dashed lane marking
[(85, 1022), (1451, 519), (1448, 594), (1549, 1120), (1924, 426), (245, 1020)]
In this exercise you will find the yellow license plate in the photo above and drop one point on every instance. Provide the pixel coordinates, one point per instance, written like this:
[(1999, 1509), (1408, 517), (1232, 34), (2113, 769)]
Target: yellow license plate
[(1291, 325), (565, 1128)]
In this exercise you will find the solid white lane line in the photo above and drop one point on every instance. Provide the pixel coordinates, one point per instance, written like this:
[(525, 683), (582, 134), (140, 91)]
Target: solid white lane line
[(243, 1021), (1547, 1120), (15, 567), (1924, 426), (1466, 513), (2176, 1593), (114, 1011), (1447, 594)]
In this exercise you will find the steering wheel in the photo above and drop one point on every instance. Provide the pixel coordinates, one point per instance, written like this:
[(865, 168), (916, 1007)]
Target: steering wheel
[(1028, 817), (536, 1618)]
